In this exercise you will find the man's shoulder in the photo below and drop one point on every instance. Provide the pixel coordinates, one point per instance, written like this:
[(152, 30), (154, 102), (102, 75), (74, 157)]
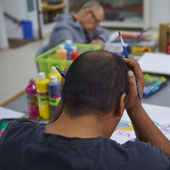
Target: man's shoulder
[(66, 21), (134, 147), (21, 122), (63, 16), (147, 151), (18, 128), (142, 154), (144, 147)]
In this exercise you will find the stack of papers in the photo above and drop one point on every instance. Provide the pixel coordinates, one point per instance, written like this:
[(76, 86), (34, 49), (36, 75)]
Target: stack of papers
[(10, 114), (156, 63)]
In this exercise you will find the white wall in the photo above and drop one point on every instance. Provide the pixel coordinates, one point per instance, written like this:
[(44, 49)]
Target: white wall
[(13, 30), (159, 12), (18, 8), (29, 15), (3, 33)]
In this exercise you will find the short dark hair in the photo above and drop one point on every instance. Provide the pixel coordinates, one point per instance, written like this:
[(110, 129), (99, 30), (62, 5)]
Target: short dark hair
[(94, 81)]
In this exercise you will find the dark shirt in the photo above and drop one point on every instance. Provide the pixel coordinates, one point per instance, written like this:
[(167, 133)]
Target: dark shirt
[(25, 145)]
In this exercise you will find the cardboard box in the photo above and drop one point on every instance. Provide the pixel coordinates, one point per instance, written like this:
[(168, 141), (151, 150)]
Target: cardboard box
[(163, 28)]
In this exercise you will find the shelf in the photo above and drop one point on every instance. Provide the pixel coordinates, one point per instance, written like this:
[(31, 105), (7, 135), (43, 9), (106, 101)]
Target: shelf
[(54, 7), (124, 11), (121, 24), (141, 12)]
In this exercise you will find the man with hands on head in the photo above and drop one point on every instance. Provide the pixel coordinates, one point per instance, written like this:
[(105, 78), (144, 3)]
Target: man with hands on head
[(144, 127), (97, 87)]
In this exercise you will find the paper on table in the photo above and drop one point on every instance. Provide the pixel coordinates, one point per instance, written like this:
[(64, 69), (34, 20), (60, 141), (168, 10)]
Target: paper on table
[(9, 114), (156, 63), (114, 35), (159, 114)]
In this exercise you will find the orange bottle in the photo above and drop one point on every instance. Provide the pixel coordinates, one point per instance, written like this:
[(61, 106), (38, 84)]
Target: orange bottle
[(61, 53)]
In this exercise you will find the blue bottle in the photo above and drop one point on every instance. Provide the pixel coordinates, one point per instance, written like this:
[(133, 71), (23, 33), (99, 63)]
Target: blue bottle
[(68, 47), (54, 95)]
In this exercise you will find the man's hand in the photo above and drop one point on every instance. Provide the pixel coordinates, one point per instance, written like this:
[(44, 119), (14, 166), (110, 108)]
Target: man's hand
[(135, 76), (98, 41), (144, 127)]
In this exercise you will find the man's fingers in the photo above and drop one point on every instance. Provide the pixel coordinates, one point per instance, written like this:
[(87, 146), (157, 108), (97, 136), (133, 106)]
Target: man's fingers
[(131, 83), (138, 75), (65, 70), (133, 65), (136, 69)]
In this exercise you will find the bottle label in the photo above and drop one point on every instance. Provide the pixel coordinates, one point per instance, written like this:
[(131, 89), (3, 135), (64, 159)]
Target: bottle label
[(43, 98), (54, 101), (32, 105), (32, 99)]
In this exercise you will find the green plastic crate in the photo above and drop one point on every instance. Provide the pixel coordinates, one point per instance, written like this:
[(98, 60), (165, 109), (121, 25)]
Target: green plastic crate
[(47, 59)]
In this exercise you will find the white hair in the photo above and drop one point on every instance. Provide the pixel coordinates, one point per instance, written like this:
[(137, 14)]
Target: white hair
[(90, 4)]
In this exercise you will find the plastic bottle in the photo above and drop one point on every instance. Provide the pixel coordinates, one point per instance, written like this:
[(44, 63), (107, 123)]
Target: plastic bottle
[(74, 54), (54, 95), (68, 47), (32, 100), (43, 101), (54, 73), (168, 43), (61, 53)]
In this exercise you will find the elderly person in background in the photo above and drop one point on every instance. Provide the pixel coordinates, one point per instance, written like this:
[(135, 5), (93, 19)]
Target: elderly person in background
[(81, 27)]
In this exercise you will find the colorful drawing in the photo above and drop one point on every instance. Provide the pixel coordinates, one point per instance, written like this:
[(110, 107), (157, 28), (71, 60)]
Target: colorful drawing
[(132, 139), (153, 83), (165, 129), (124, 131), (125, 125)]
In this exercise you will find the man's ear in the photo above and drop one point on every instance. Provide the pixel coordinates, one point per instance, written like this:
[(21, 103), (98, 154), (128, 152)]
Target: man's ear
[(121, 106)]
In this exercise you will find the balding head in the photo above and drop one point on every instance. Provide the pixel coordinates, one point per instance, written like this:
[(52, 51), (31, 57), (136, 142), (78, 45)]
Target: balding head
[(91, 4), (94, 81), (96, 8), (90, 15)]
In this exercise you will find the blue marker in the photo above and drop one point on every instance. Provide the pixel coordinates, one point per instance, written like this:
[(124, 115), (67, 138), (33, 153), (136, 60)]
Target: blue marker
[(126, 55), (61, 72)]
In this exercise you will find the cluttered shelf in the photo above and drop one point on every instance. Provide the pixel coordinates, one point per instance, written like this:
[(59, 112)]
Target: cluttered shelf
[(120, 14), (50, 10), (52, 6), (121, 24)]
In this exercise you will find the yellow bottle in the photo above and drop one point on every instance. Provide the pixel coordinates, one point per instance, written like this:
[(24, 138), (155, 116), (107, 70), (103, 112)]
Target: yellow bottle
[(54, 73), (43, 100), (61, 53)]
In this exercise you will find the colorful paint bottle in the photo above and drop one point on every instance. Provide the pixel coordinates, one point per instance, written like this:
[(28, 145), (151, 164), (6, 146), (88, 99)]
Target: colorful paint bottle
[(54, 73), (74, 54), (61, 53), (32, 100), (43, 101), (68, 47), (167, 43), (54, 95)]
